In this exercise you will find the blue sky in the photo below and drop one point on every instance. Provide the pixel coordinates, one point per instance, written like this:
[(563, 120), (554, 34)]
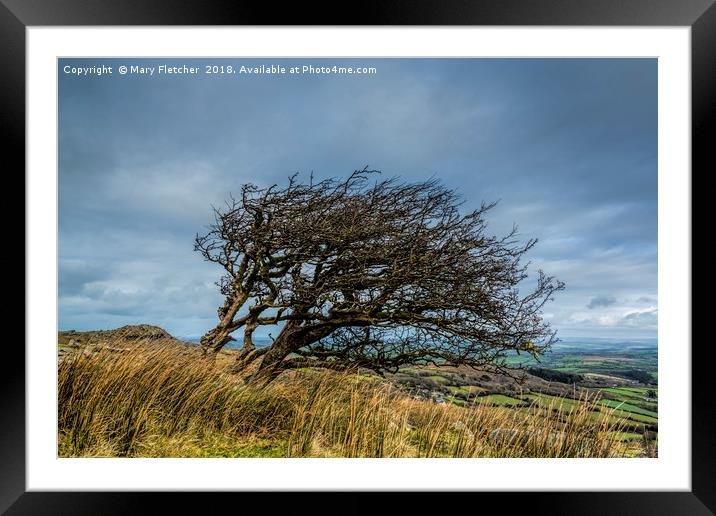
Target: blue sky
[(567, 146)]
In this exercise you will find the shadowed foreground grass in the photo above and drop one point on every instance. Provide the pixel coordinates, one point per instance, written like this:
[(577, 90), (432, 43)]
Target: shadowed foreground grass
[(159, 400)]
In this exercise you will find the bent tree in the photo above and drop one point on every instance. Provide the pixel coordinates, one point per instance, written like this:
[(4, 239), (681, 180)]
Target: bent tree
[(370, 272)]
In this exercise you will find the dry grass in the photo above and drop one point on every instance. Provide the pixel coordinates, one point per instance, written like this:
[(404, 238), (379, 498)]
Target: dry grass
[(161, 400)]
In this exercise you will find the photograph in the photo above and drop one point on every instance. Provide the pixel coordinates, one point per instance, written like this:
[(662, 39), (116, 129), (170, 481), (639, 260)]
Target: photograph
[(357, 257), (436, 250)]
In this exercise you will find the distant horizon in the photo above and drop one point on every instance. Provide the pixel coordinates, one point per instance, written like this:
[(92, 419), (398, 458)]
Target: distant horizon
[(264, 338)]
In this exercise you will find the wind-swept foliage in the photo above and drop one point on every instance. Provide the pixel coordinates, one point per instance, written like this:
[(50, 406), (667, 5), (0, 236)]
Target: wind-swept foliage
[(371, 272)]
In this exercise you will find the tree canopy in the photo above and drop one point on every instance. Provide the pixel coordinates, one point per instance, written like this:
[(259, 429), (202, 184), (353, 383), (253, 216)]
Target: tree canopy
[(372, 272)]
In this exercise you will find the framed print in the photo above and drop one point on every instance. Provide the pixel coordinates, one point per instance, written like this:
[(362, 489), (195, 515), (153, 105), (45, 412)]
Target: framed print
[(441, 249)]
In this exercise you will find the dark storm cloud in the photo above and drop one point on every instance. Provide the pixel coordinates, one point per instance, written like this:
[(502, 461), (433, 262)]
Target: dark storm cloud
[(567, 146)]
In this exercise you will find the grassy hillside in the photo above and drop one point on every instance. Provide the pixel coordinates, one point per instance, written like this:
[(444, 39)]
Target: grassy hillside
[(159, 398)]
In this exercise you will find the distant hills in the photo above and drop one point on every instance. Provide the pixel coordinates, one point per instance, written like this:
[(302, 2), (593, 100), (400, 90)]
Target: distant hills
[(600, 345), (567, 345)]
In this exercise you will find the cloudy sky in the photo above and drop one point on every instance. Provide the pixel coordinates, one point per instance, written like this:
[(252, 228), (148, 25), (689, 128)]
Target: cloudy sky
[(567, 146)]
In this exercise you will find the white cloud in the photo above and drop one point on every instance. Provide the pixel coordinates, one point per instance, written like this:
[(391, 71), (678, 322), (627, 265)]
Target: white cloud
[(641, 319)]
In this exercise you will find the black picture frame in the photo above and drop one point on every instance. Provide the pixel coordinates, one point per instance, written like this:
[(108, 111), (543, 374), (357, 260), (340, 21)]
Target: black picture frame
[(700, 15)]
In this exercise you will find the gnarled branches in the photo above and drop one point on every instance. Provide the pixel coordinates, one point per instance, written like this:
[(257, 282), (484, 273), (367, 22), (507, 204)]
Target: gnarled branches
[(371, 272)]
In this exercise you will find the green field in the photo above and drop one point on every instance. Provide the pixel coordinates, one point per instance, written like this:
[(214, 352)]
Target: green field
[(499, 399), (547, 401), (616, 394), (624, 392), (467, 390), (641, 418), (628, 436), (627, 407), (610, 364)]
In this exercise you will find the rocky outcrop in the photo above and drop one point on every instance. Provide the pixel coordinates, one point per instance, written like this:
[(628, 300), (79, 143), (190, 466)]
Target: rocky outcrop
[(69, 341)]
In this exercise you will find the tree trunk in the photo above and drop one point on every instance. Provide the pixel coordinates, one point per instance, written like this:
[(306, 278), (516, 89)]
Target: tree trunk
[(292, 337), (215, 339), (283, 345)]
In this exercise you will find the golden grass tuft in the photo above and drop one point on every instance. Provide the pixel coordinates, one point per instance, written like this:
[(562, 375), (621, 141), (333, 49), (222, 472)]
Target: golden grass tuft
[(161, 400)]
